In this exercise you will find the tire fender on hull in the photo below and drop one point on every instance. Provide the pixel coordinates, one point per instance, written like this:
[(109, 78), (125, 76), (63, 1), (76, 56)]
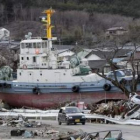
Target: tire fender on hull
[(36, 91), (5, 85), (107, 87), (75, 88)]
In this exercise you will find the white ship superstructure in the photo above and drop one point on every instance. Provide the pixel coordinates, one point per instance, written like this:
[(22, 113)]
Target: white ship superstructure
[(39, 63)]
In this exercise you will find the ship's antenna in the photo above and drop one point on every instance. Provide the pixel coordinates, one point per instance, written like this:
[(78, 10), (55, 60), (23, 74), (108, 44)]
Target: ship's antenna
[(48, 25)]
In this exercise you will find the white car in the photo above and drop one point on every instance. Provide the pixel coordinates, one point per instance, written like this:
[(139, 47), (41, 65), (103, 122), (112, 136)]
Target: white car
[(120, 74), (135, 98)]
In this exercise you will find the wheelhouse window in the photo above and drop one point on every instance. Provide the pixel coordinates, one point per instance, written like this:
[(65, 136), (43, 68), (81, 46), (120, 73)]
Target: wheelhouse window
[(22, 45), (43, 45), (28, 45), (39, 45), (46, 44), (34, 45)]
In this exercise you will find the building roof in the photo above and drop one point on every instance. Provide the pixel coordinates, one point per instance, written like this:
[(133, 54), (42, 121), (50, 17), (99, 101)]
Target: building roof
[(65, 52), (137, 56), (62, 47), (116, 60), (116, 28), (97, 63), (84, 53), (103, 54)]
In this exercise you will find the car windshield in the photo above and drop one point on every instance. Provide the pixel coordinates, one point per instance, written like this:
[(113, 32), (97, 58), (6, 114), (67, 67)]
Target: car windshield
[(138, 97), (72, 110), (128, 72), (118, 74)]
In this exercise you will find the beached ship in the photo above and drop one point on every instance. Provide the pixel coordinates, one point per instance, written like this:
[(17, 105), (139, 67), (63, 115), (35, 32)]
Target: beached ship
[(43, 81)]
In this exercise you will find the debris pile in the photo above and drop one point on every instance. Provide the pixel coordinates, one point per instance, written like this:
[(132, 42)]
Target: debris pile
[(42, 133), (19, 121), (22, 127), (112, 108)]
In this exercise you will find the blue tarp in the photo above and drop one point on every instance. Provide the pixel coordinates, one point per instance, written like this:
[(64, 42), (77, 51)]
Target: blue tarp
[(116, 60)]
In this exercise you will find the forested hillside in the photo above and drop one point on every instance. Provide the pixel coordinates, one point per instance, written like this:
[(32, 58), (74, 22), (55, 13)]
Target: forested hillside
[(122, 7), (73, 20)]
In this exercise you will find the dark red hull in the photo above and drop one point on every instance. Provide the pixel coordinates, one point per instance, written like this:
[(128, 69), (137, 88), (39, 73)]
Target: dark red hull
[(50, 100)]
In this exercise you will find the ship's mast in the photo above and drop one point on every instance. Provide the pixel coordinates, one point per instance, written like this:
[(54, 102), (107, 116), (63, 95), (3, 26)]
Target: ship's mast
[(48, 25), (52, 59)]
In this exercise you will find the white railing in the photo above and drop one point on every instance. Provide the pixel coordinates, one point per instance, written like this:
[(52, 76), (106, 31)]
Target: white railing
[(54, 113)]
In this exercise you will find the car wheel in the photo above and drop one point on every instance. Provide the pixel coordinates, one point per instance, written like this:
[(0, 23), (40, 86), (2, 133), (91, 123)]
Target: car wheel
[(83, 123)]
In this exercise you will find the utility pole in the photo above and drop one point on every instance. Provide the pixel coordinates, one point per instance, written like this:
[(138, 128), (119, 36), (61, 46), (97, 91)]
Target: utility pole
[(83, 33)]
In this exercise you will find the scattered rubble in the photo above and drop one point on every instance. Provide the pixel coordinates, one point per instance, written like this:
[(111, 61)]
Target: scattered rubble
[(105, 135), (17, 132), (112, 108), (22, 127)]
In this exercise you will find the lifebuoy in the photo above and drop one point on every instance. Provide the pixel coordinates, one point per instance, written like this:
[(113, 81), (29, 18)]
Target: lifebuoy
[(75, 88), (107, 87), (36, 91), (24, 67)]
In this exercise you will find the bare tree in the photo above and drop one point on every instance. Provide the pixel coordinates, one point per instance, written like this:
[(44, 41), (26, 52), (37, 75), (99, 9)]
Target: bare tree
[(2, 13), (115, 46)]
